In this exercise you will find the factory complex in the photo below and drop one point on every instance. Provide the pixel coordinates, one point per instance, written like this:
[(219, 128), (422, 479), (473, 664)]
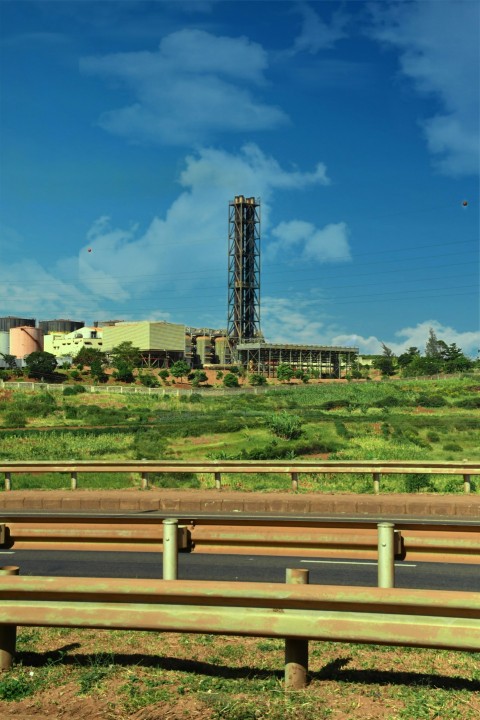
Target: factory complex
[(163, 343)]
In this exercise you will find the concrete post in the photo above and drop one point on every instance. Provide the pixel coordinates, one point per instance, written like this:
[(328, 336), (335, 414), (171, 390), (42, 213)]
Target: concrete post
[(8, 481), (73, 480), (386, 555), (8, 633), (218, 481), (466, 484), (296, 649), (170, 549), (376, 483)]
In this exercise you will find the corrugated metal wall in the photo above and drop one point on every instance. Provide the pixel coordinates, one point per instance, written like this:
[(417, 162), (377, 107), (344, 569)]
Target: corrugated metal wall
[(146, 336)]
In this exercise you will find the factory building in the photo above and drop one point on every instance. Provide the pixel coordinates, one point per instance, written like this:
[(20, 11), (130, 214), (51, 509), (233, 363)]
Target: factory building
[(60, 326), (69, 344), (160, 343), (328, 362), (9, 322)]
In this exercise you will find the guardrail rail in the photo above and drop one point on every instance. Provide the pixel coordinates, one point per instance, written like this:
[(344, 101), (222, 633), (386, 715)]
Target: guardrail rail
[(375, 468)]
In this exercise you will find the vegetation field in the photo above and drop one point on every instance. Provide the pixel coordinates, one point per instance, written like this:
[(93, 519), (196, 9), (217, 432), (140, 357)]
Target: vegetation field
[(390, 420)]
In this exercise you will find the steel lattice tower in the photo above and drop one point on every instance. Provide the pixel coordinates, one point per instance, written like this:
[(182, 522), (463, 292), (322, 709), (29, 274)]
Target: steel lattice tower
[(243, 269)]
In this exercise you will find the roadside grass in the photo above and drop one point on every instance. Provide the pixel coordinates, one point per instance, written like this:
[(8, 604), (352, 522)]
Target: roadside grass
[(347, 421), (147, 675)]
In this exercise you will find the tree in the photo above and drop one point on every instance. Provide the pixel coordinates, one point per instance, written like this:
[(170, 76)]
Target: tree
[(127, 353), (455, 360), (124, 358), (386, 362), (10, 361), (284, 372), (87, 356), (433, 346), (40, 364), (180, 369), (96, 370), (123, 371), (405, 358)]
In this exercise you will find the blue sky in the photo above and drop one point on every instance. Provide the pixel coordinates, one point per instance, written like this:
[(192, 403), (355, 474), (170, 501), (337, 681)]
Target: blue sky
[(126, 127)]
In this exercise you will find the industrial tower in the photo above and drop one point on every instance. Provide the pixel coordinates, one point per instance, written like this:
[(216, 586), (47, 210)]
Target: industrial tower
[(243, 270)]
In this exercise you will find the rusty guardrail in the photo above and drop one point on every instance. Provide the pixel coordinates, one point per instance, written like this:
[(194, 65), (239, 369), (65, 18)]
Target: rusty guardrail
[(219, 467), (296, 537), (400, 617)]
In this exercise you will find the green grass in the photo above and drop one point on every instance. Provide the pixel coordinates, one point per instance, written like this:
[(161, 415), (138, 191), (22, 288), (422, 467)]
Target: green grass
[(401, 420), (229, 678)]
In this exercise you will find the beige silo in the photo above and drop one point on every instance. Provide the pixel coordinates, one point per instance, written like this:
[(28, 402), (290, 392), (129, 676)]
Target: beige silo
[(25, 340)]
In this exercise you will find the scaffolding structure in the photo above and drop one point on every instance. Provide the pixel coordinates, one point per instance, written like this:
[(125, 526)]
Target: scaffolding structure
[(328, 362), (243, 270)]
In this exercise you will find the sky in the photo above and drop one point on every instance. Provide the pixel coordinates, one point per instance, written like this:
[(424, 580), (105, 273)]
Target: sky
[(127, 127)]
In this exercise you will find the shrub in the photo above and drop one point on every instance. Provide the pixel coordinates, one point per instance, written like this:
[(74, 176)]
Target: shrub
[(417, 482), (256, 379), (452, 447), (427, 400), (74, 389), (149, 445), (469, 403), (148, 380), (230, 380), (285, 426), (15, 418)]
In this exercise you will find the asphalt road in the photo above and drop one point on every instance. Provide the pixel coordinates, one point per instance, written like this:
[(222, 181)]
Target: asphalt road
[(433, 576)]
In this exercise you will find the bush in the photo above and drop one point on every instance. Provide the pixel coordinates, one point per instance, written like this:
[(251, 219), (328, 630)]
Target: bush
[(452, 447), (285, 426), (417, 482), (15, 418), (469, 403), (74, 389), (256, 379), (230, 380), (149, 445), (148, 380), (433, 401)]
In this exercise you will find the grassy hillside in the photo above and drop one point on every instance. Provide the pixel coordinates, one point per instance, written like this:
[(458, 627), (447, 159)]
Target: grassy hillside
[(408, 420)]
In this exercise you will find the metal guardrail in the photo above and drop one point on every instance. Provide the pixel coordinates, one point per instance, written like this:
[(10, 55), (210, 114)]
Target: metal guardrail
[(415, 541), (376, 468), (297, 612)]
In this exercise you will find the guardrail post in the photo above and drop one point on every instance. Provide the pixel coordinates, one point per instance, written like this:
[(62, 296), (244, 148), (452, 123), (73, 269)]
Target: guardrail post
[(466, 484), (296, 649), (73, 480), (294, 481), (8, 633), (218, 481), (376, 483), (8, 481), (144, 481), (386, 555), (170, 549)]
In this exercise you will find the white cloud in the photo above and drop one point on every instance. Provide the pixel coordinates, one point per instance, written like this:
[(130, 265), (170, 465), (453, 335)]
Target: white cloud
[(415, 336), (309, 243), (179, 251), (315, 33), (439, 46), (28, 290), (196, 84), (309, 320)]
